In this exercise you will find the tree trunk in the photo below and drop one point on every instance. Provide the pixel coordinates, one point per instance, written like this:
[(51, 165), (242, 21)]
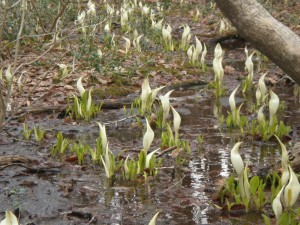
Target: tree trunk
[(265, 33)]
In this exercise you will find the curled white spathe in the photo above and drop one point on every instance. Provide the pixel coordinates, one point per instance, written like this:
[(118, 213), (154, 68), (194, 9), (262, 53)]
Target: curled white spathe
[(276, 204), (154, 93), (80, 87), (292, 189), (165, 102), (262, 86), (273, 103), (146, 91), (260, 115), (89, 101), (149, 157), (236, 159), (232, 100), (176, 122), (10, 219), (198, 47), (103, 137), (218, 52), (148, 137)]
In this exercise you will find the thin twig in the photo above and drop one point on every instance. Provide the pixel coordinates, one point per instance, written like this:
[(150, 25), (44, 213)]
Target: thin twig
[(58, 16), (174, 185), (38, 15), (166, 150), (120, 120)]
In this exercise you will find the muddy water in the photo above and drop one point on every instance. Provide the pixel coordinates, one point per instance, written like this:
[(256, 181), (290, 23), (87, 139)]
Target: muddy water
[(81, 194), (184, 197)]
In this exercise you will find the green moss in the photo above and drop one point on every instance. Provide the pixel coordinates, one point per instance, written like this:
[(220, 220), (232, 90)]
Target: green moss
[(112, 91)]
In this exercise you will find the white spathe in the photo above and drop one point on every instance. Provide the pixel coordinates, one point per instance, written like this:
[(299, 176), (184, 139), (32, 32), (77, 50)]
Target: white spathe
[(232, 101), (103, 137), (89, 101), (165, 102), (149, 157), (273, 103), (153, 220), (10, 219), (80, 87), (276, 204), (148, 137), (176, 122), (292, 189), (236, 159), (146, 91), (262, 87)]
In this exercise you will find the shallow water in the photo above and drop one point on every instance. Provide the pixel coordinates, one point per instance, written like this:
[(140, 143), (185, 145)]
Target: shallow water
[(185, 197), (182, 195)]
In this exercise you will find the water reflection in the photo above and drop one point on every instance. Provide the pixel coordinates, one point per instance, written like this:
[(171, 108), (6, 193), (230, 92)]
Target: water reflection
[(185, 197)]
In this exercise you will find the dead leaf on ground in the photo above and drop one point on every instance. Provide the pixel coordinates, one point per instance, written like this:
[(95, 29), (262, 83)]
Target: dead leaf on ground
[(176, 152)]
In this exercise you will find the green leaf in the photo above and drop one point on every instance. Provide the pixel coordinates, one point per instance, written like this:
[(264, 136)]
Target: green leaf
[(266, 219), (142, 161), (254, 183)]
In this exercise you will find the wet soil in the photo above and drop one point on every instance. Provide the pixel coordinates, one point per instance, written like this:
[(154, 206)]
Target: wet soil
[(42, 189)]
